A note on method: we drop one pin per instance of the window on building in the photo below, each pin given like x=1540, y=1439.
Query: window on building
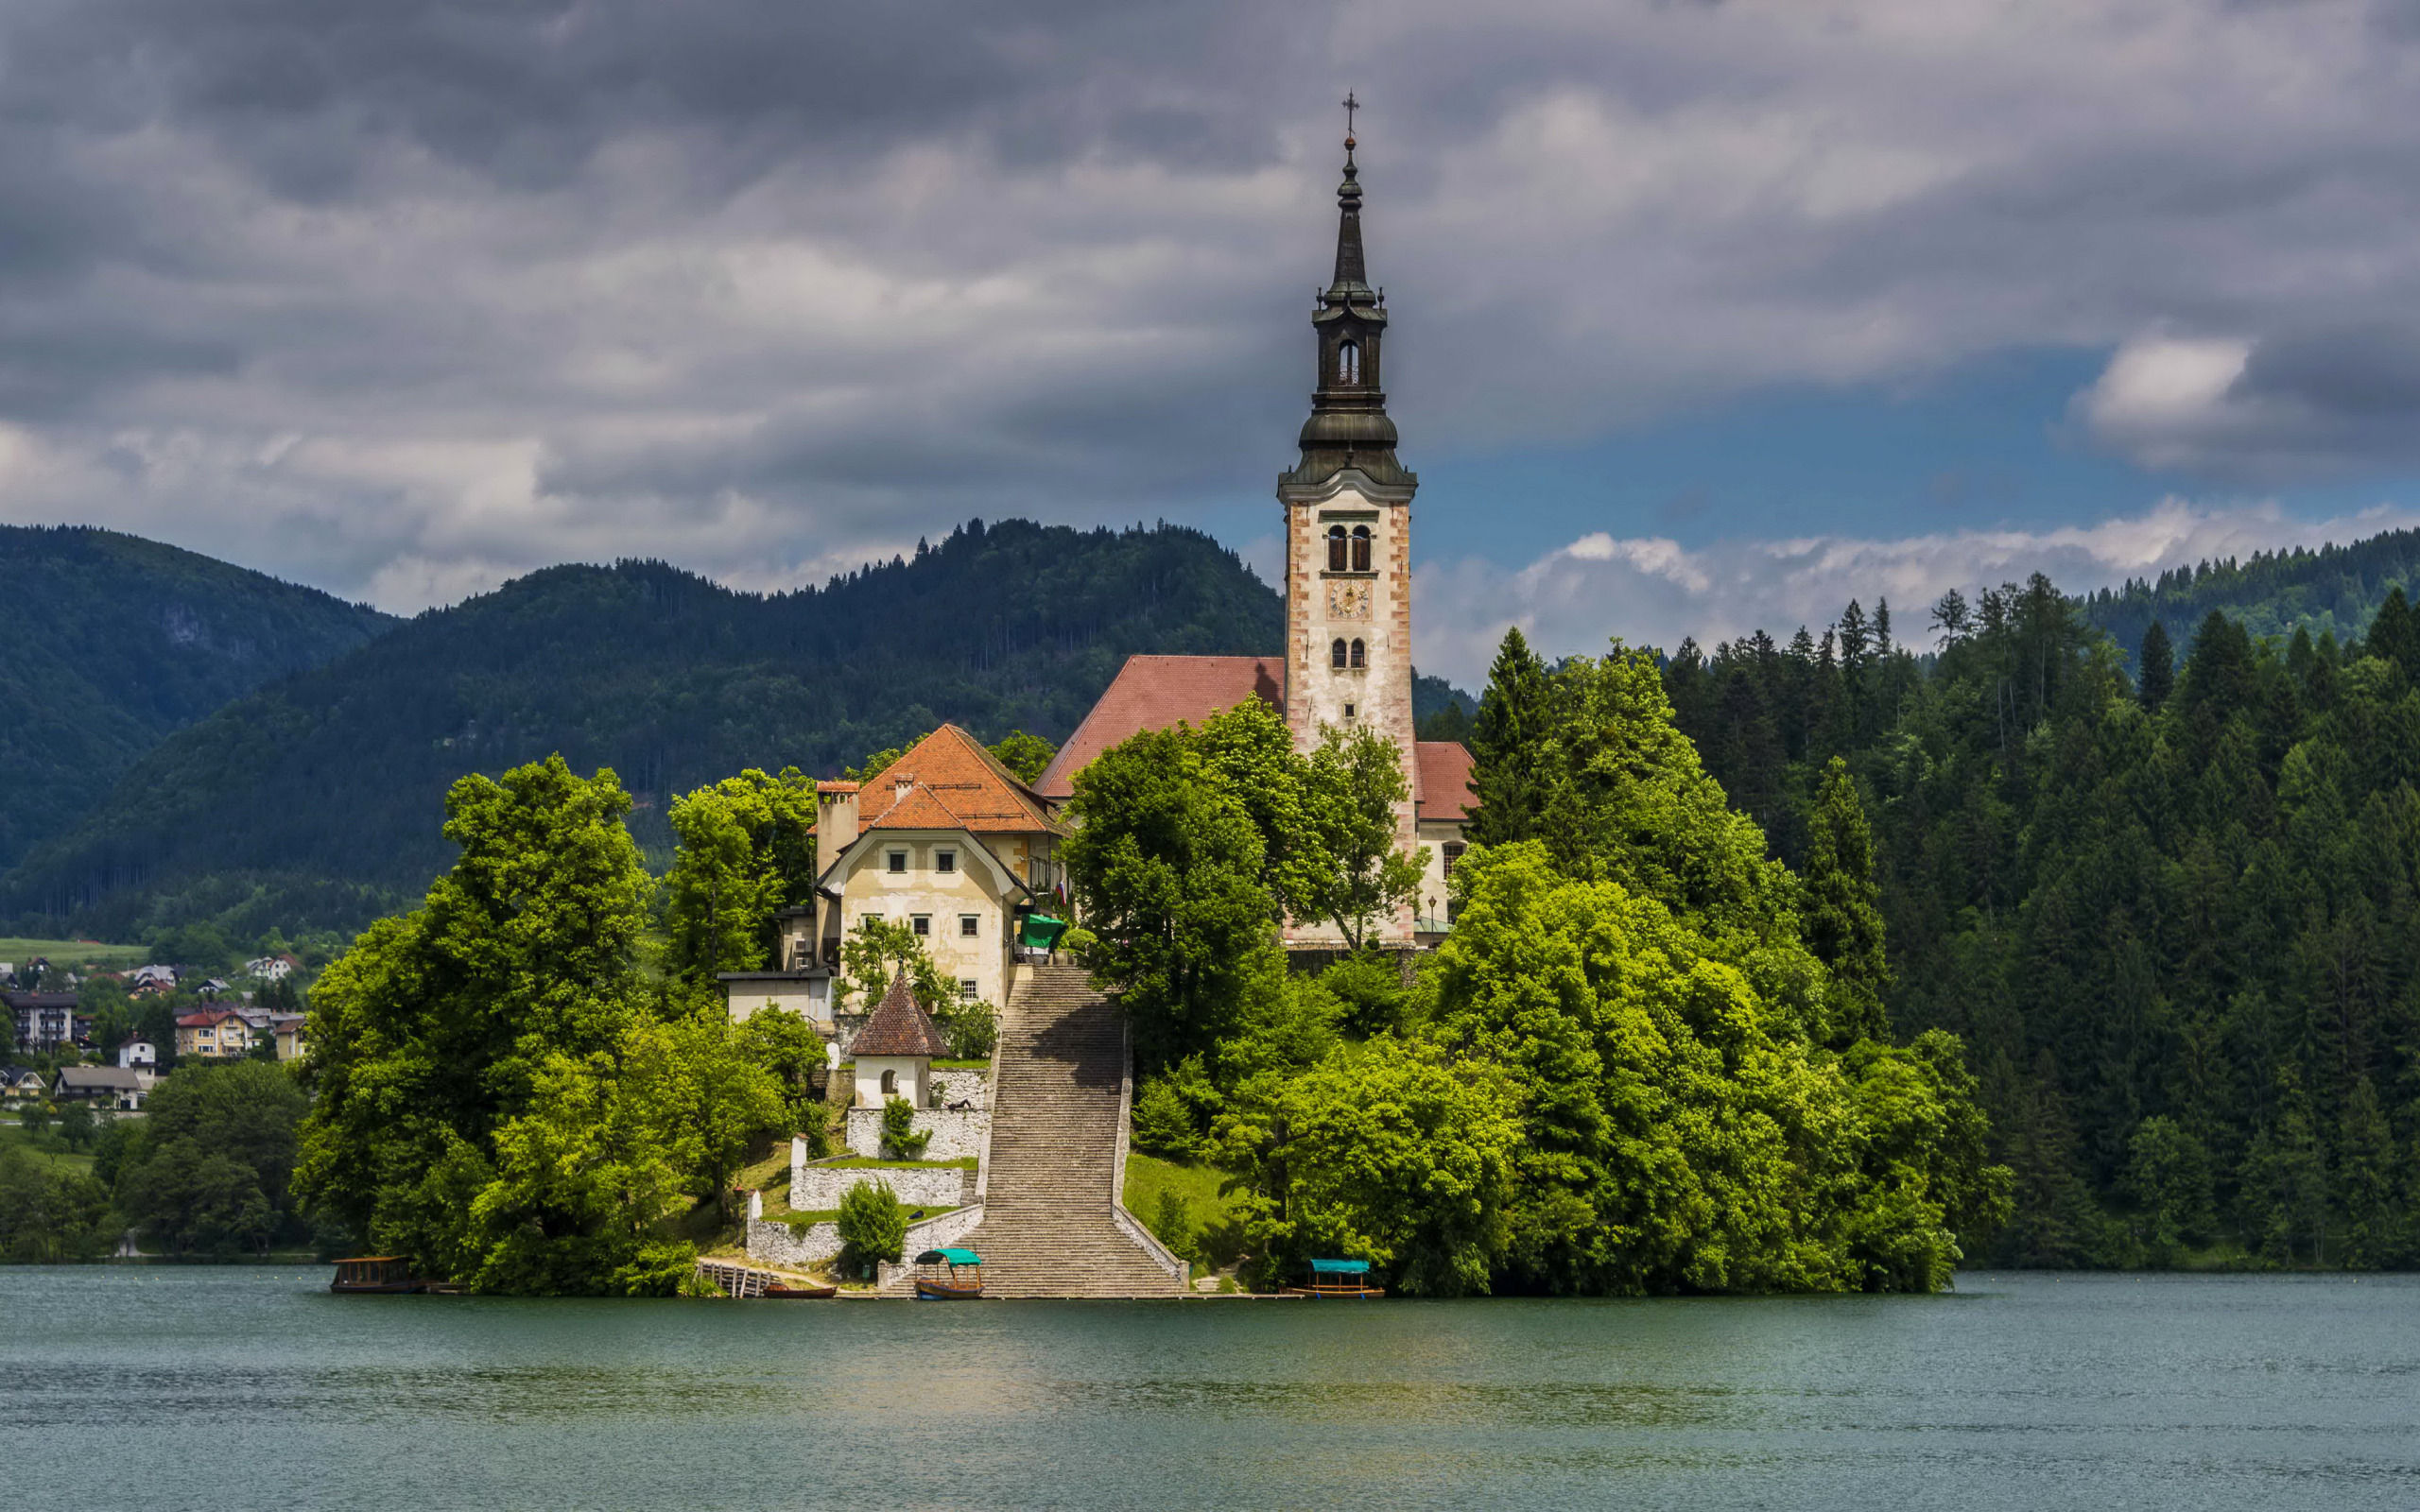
x=1336, y=548
x=1335, y=655
x=970, y=925
x=890, y=1082
x=1360, y=548
x=1348, y=363
x=1359, y=656
x=1348, y=711
x=922, y=925
x=869, y=920
x=1453, y=852
x=898, y=862
x=966, y=989
x=944, y=861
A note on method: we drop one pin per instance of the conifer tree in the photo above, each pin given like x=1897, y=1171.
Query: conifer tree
x=1514, y=714
x=2156, y=671
x=1843, y=917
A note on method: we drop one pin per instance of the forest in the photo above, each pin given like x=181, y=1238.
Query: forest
x=2164, y=892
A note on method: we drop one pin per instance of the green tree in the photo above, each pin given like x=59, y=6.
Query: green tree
x=1353, y=791
x=1843, y=915
x=723, y=1099
x=1166, y=865
x=747, y=848
x=1508, y=745
x=2375, y=1227
x=50, y=1216
x=1389, y=1153
x=2168, y=1172
x=1026, y=755
x=2155, y=668
x=873, y=1227
x=877, y=950
x=75, y=1125
x=493, y=1095
x=789, y=1050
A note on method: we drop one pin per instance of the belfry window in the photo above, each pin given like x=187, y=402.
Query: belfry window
x=1336, y=548
x=1336, y=656
x=1357, y=659
x=1360, y=548
x=1348, y=363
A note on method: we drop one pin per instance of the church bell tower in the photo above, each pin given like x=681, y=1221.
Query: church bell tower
x=1348, y=520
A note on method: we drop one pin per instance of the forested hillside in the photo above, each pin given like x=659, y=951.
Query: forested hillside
x=2171, y=912
x=109, y=641
x=312, y=803
x=2331, y=590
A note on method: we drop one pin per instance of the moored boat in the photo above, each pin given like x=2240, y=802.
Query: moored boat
x=1348, y=1279
x=796, y=1291
x=950, y=1276
x=376, y=1273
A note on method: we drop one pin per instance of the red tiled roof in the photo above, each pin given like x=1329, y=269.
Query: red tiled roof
x=1154, y=692
x=947, y=780
x=900, y=1026
x=205, y=1019
x=1443, y=779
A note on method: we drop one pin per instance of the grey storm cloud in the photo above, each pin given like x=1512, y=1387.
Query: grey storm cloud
x=404, y=298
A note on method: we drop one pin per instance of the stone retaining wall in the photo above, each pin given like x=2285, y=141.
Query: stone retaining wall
x=954, y=1136
x=965, y=1087
x=813, y=1188
x=778, y=1244
x=933, y=1233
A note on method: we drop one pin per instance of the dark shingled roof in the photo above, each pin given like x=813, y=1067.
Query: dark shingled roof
x=900, y=1026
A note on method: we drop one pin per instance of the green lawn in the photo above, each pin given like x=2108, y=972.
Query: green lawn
x=48, y=1153
x=1197, y=1185
x=66, y=952
x=863, y=1162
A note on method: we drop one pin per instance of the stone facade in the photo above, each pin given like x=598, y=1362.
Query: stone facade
x=778, y=1244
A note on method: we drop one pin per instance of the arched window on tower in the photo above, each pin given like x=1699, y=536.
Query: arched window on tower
x=1360, y=548
x=1357, y=657
x=1336, y=548
x=1336, y=656
x=890, y=1082
x=1348, y=363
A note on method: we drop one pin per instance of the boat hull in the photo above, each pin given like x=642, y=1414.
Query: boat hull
x=1347, y=1293
x=778, y=1292
x=382, y=1288
x=944, y=1292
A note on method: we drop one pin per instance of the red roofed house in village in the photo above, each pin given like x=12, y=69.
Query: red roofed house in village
x=1347, y=660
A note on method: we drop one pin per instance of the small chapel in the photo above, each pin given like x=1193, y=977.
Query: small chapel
x=954, y=846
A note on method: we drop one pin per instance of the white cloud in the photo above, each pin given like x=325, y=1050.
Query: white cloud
x=1653, y=592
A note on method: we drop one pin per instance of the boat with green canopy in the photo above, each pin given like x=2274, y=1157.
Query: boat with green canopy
x=1347, y=1279
x=950, y=1276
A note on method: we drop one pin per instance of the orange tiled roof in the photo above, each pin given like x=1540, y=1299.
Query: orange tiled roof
x=947, y=780
x=1441, y=778
x=1154, y=692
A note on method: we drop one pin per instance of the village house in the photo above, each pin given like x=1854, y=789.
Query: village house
x=21, y=1082
x=212, y=1034
x=101, y=1087
x=44, y=1021
x=944, y=842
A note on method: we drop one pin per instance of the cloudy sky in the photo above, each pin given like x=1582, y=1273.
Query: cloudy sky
x=1708, y=312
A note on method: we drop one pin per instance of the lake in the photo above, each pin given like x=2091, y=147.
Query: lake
x=244, y=1387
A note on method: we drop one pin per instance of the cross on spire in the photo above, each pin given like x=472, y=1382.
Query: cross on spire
x=1351, y=105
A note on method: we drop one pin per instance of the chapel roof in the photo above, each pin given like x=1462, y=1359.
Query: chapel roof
x=1155, y=692
x=1442, y=780
x=900, y=1026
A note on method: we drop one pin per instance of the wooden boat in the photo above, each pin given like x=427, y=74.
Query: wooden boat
x=796, y=1291
x=1347, y=1279
x=376, y=1273
x=950, y=1276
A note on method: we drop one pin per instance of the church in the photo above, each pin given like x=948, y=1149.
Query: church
x=954, y=846
x=1347, y=659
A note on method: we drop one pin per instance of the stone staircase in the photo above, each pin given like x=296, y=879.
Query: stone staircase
x=1050, y=1227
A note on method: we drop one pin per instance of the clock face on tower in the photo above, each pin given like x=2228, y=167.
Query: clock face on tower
x=1348, y=600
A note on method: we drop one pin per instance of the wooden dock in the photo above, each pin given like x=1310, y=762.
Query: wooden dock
x=734, y=1279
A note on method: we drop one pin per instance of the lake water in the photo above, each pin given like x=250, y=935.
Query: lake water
x=244, y=1387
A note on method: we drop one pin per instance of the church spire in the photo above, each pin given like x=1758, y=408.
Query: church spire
x=1348, y=426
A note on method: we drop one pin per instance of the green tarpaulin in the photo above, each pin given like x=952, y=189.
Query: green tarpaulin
x=1041, y=932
